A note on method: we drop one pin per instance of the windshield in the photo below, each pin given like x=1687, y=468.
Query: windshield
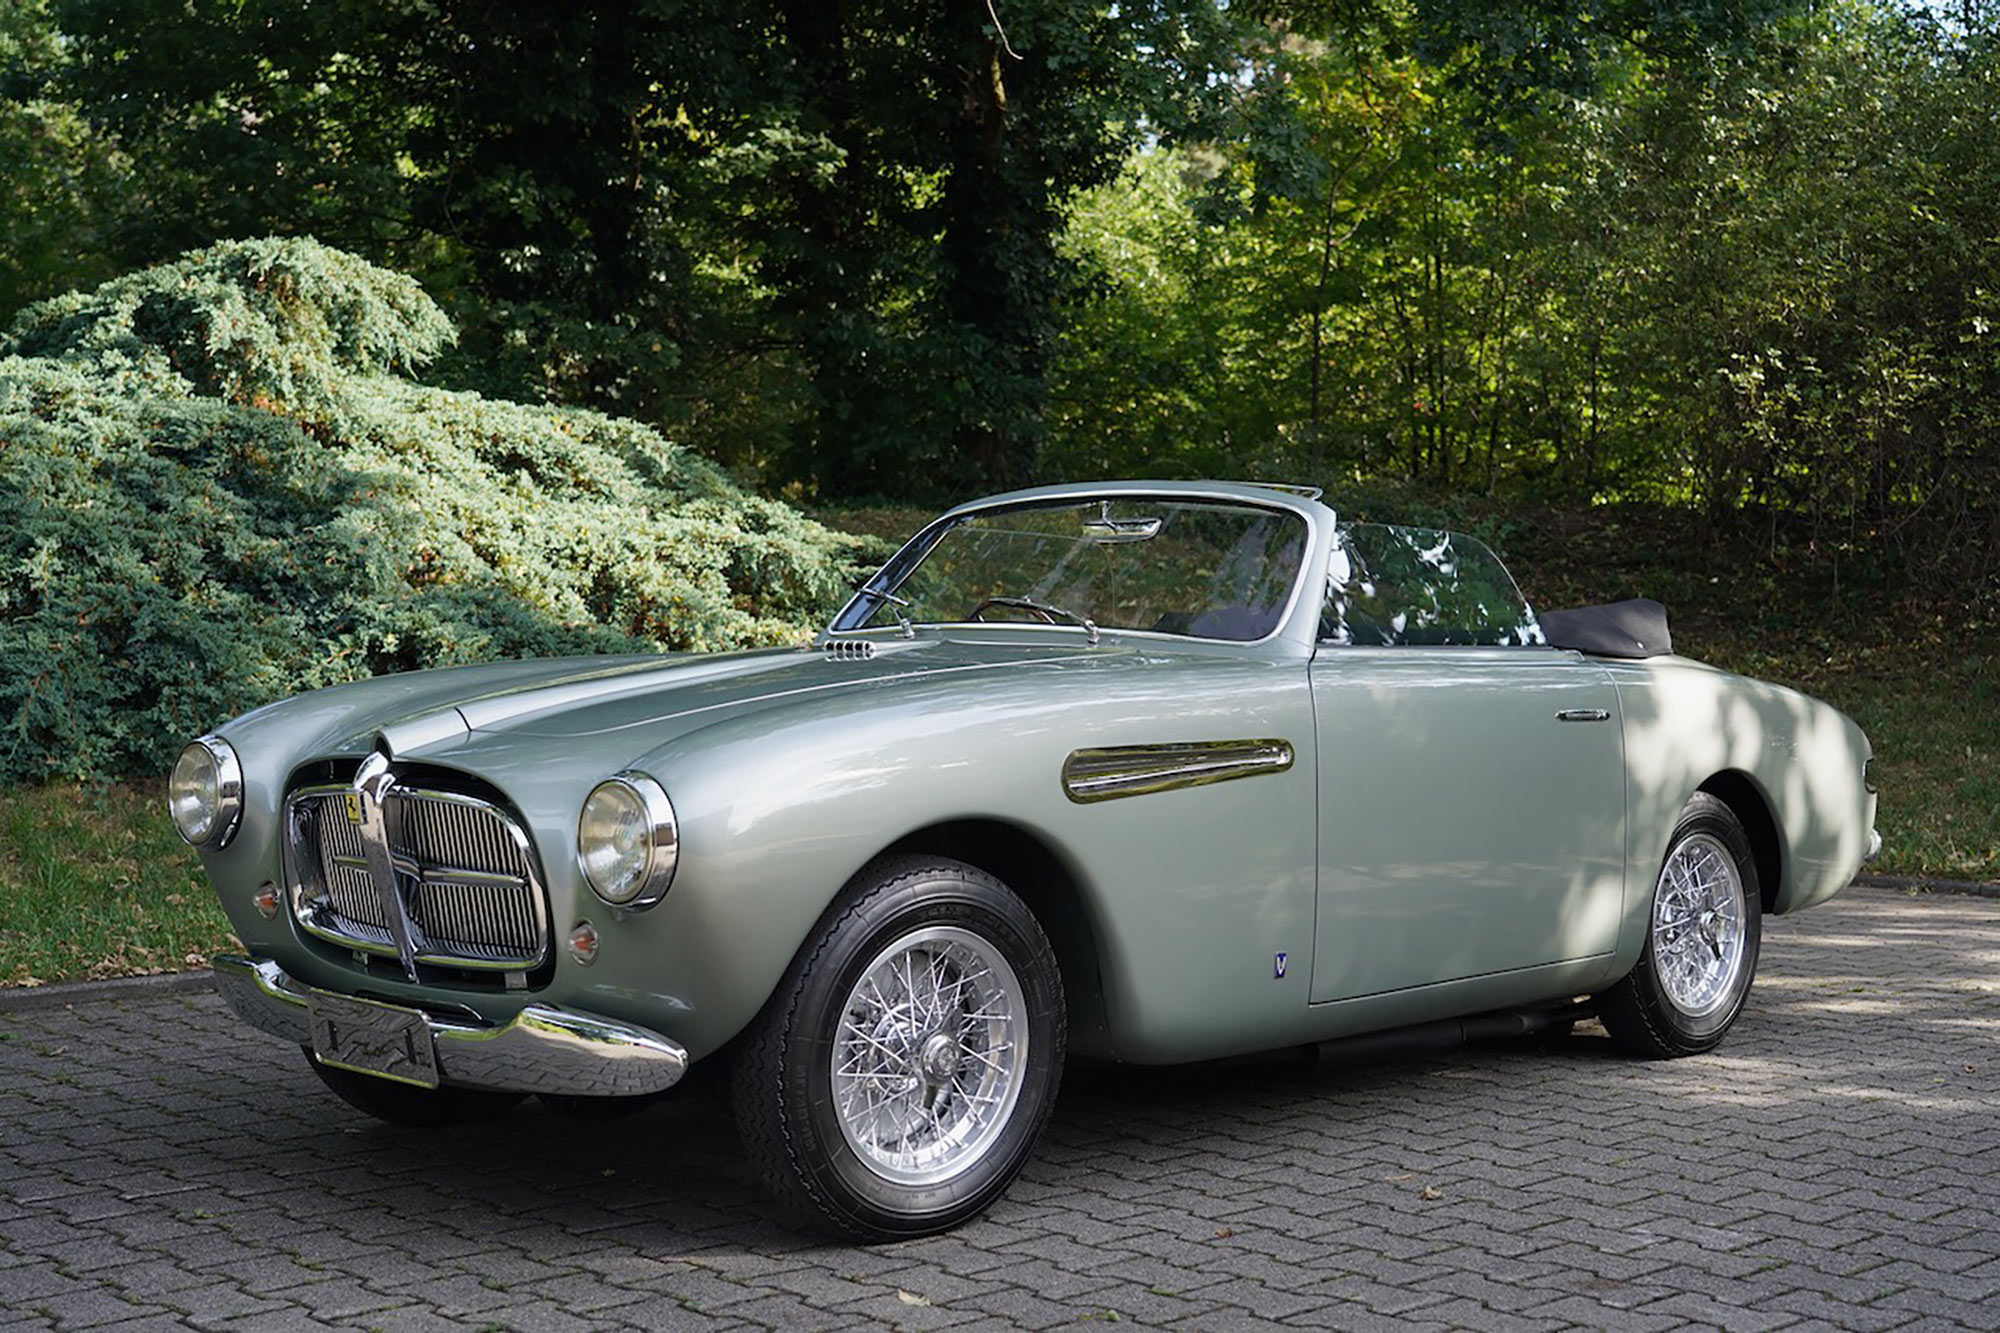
x=1204, y=568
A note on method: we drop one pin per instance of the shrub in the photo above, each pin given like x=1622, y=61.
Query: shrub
x=217, y=487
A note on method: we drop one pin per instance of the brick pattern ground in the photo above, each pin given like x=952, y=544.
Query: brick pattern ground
x=1836, y=1164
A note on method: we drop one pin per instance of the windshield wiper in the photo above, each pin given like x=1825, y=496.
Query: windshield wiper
x=1048, y=611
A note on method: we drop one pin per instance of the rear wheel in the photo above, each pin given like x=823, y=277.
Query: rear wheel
x=897, y=1080
x=1702, y=937
x=407, y=1104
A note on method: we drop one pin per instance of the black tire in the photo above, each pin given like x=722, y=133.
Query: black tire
x=1700, y=955
x=948, y=1055
x=407, y=1104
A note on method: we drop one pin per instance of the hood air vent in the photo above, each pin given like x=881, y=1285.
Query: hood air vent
x=849, y=650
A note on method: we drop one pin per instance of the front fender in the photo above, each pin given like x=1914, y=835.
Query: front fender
x=1193, y=891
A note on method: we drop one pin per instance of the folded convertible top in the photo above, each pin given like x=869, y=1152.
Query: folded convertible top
x=1635, y=628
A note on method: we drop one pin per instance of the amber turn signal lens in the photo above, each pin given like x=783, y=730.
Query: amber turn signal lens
x=583, y=943
x=265, y=900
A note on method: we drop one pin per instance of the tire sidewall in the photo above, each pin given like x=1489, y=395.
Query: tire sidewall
x=970, y=901
x=1705, y=815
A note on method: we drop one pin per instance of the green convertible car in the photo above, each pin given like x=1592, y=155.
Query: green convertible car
x=1148, y=772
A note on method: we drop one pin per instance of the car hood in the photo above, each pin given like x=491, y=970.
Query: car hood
x=573, y=699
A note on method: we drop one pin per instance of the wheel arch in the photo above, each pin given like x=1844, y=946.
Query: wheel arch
x=1050, y=885
x=1746, y=800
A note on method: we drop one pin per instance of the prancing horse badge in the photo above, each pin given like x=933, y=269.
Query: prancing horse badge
x=353, y=807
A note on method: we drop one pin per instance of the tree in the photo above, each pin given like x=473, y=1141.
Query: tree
x=828, y=224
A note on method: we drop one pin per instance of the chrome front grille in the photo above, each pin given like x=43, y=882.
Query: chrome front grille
x=464, y=871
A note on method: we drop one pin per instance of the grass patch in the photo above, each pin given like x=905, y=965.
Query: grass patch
x=94, y=883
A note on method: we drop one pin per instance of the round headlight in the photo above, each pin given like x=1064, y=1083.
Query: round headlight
x=628, y=840
x=205, y=793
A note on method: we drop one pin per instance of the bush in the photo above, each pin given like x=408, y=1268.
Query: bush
x=217, y=488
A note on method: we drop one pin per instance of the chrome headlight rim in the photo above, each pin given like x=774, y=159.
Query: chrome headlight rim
x=662, y=842
x=228, y=813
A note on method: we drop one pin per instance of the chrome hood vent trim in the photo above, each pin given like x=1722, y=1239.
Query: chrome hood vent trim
x=849, y=650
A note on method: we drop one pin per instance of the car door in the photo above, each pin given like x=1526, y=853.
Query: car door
x=1471, y=780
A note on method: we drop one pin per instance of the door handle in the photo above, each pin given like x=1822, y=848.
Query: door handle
x=1584, y=715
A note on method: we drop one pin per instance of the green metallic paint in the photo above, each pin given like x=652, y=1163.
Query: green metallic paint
x=1435, y=811
x=1465, y=832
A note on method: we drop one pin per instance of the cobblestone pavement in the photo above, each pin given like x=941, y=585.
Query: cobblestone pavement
x=1837, y=1163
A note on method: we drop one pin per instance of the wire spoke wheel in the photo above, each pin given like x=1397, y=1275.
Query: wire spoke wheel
x=1699, y=955
x=1698, y=912
x=897, y=1080
x=926, y=1062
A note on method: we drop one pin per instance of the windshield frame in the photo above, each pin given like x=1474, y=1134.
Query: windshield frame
x=880, y=586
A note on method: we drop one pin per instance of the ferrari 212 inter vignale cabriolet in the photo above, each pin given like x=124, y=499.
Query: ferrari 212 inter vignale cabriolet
x=1145, y=772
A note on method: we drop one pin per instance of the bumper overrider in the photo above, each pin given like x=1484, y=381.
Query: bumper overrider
x=544, y=1048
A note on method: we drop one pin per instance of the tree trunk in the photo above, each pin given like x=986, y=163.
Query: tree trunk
x=998, y=250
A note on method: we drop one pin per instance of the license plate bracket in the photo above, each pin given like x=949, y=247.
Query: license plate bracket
x=369, y=1037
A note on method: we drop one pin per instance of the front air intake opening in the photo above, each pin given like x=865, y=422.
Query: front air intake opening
x=465, y=879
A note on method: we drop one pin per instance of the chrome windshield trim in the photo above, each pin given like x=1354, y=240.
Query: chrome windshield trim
x=1140, y=770
x=1320, y=523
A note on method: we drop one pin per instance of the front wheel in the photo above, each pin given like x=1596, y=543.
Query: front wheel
x=1702, y=935
x=898, y=1078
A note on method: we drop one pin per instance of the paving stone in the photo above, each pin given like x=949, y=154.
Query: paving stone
x=1833, y=1165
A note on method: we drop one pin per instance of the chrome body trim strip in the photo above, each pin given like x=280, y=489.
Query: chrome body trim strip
x=1584, y=715
x=544, y=1048
x=1140, y=770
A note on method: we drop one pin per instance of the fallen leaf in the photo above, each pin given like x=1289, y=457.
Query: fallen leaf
x=1224, y=1234
x=911, y=1297
x=1405, y=1176
x=1430, y=1192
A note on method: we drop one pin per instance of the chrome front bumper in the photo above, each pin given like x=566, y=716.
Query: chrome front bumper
x=542, y=1049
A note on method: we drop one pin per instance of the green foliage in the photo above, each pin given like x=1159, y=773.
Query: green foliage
x=61, y=182
x=282, y=324
x=1727, y=253
x=816, y=240
x=1753, y=275
x=213, y=494
x=129, y=899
